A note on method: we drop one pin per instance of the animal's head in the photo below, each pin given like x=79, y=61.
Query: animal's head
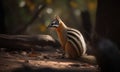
x=55, y=22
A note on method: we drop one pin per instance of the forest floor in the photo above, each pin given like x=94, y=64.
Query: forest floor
x=47, y=60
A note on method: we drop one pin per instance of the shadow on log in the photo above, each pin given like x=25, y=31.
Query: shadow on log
x=26, y=42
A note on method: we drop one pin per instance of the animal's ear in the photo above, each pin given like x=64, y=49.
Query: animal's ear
x=57, y=17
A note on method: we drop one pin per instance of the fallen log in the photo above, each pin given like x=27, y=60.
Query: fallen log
x=26, y=42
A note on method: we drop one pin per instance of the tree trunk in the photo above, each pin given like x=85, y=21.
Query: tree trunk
x=106, y=37
x=13, y=19
x=86, y=24
x=2, y=24
x=108, y=20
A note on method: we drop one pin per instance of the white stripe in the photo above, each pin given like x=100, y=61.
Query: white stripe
x=74, y=30
x=77, y=37
x=80, y=41
x=74, y=44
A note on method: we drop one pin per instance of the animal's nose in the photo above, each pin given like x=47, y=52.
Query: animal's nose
x=49, y=26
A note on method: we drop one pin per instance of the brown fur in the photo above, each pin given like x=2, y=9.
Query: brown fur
x=70, y=51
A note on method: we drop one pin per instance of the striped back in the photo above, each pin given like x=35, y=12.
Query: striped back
x=77, y=40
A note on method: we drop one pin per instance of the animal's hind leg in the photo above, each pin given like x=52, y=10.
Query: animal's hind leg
x=70, y=51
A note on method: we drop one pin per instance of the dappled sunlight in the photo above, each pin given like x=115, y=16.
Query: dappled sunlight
x=59, y=36
x=53, y=64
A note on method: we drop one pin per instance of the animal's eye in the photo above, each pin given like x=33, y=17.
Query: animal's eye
x=52, y=24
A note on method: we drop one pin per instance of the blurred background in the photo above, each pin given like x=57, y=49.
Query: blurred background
x=33, y=16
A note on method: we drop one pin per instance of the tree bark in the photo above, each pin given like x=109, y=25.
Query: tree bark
x=2, y=16
x=87, y=26
x=106, y=37
x=108, y=20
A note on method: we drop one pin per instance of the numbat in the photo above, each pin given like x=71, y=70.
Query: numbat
x=72, y=41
